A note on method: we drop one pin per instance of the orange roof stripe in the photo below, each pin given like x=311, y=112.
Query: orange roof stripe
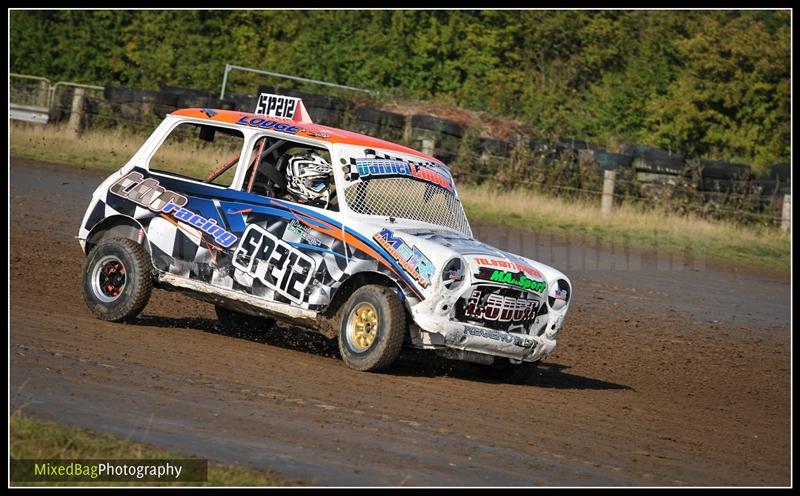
x=324, y=134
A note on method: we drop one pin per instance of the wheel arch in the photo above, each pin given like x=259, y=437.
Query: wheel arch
x=357, y=280
x=327, y=320
x=118, y=226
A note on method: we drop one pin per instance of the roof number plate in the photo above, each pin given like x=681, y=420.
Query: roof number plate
x=283, y=107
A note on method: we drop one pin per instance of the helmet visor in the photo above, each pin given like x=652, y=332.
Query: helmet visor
x=316, y=184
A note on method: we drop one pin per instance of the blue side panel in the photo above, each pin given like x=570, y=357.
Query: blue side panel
x=206, y=208
x=236, y=204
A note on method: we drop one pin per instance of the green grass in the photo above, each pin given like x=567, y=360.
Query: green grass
x=105, y=150
x=764, y=248
x=36, y=439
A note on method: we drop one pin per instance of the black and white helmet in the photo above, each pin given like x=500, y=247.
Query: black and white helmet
x=308, y=178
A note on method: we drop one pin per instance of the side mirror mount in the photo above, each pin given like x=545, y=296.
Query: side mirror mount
x=207, y=133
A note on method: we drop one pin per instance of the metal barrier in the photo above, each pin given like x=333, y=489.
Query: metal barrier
x=54, y=88
x=230, y=67
x=28, y=113
x=28, y=98
x=32, y=98
x=28, y=90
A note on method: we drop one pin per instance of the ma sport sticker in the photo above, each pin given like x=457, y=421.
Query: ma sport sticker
x=410, y=258
x=512, y=279
x=149, y=194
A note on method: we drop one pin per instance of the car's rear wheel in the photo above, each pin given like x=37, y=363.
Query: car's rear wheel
x=117, y=279
x=372, y=328
x=234, y=321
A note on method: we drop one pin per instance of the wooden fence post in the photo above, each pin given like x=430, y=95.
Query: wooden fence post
x=786, y=215
x=76, y=113
x=428, y=146
x=607, y=201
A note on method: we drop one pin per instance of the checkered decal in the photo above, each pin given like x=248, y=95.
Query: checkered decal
x=183, y=250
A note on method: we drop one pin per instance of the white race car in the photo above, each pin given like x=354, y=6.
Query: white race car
x=271, y=217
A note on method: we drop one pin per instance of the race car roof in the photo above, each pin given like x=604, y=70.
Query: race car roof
x=307, y=130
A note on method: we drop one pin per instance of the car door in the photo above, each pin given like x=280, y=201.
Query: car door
x=283, y=251
x=179, y=192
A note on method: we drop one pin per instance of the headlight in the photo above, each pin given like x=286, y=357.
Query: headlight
x=559, y=294
x=453, y=274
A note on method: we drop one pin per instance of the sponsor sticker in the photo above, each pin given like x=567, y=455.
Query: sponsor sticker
x=387, y=168
x=410, y=258
x=494, y=307
x=264, y=123
x=150, y=194
x=502, y=336
x=506, y=264
x=303, y=233
x=516, y=279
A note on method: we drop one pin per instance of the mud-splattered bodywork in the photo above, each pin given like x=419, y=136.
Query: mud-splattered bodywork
x=398, y=219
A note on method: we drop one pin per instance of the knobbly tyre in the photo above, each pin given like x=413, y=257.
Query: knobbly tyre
x=271, y=217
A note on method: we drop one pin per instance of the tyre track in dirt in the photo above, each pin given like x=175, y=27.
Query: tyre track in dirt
x=640, y=392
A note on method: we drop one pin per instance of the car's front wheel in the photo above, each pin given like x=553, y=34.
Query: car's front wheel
x=117, y=279
x=372, y=328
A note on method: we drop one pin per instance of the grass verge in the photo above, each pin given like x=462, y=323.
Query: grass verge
x=105, y=150
x=765, y=248
x=36, y=439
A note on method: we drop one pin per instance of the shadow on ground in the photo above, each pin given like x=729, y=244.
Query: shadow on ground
x=547, y=375
x=282, y=337
x=412, y=363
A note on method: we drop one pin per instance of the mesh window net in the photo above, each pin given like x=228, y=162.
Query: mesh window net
x=392, y=187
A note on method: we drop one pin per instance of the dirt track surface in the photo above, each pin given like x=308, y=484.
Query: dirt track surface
x=662, y=377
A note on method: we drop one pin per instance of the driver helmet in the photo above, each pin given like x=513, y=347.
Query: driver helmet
x=308, y=178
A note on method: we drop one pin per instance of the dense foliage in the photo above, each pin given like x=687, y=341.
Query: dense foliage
x=702, y=83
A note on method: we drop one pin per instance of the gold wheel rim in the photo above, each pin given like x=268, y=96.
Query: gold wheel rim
x=363, y=326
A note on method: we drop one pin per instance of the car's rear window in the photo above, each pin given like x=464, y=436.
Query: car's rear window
x=201, y=152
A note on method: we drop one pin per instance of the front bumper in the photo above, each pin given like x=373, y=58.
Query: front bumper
x=489, y=318
x=477, y=339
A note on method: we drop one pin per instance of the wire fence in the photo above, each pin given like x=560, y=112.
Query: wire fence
x=570, y=174
x=706, y=206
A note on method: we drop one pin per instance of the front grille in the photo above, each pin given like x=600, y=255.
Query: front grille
x=501, y=308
